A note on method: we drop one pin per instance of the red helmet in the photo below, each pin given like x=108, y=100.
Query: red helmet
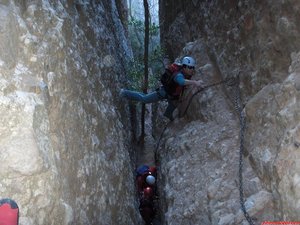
x=152, y=169
x=9, y=212
x=148, y=192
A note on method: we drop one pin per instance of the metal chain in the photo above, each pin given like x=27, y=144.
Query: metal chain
x=242, y=118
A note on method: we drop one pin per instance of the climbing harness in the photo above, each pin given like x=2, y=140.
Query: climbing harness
x=234, y=81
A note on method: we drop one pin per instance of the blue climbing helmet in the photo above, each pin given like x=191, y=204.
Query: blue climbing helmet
x=150, y=180
x=141, y=170
x=188, y=61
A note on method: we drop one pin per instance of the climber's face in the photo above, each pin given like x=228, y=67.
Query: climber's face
x=189, y=70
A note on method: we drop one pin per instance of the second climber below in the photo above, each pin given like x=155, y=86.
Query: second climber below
x=180, y=78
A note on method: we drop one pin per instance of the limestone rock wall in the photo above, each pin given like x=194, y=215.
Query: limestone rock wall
x=199, y=160
x=274, y=147
x=256, y=40
x=63, y=142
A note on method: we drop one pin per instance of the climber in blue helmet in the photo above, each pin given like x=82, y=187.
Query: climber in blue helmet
x=174, y=80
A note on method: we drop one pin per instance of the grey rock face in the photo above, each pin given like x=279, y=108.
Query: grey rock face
x=257, y=41
x=199, y=160
x=273, y=147
x=63, y=150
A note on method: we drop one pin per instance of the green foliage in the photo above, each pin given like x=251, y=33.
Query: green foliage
x=136, y=67
x=137, y=24
x=156, y=65
x=136, y=36
x=154, y=30
x=136, y=71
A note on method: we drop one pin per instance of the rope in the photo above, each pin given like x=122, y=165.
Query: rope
x=160, y=137
x=229, y=81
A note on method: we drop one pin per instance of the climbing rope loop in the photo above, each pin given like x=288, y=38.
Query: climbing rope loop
x=229, y=82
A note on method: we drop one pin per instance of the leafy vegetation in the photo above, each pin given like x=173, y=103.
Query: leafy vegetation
x=136, y=67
